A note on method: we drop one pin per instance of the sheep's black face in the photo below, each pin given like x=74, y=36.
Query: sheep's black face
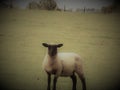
x=52, y=49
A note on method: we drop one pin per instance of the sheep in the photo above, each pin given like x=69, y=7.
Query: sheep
x=62, y=64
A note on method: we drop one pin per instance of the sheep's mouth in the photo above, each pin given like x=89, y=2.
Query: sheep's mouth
x=52, y=54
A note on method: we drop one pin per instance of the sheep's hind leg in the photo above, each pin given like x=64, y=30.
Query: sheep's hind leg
x=83, y=82
x=82, y=78
x=74, y=80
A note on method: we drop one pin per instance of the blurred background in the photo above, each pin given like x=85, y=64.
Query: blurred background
x=90, y=28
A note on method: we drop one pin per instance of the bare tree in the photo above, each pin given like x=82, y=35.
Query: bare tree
x=33, y=5
x=47, y=4
x=107, y=9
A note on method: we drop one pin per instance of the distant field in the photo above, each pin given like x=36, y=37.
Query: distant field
x=95, y=36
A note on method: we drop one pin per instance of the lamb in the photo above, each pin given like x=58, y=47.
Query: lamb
x=62, y=64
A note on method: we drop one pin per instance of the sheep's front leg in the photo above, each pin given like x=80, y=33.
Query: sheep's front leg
x=54, y=82
x=49, y=81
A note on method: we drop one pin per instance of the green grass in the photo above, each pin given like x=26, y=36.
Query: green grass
x=95, y=36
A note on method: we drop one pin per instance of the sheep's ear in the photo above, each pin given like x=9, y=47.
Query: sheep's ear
x=59, y=45
x=45, y=44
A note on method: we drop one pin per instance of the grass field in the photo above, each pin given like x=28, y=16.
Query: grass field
x=95, y=36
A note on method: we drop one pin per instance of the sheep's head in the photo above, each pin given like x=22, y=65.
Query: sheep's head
x=52, y=48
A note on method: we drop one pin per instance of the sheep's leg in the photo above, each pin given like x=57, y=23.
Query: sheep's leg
x=74, y=80
x=80, y=73
x=49, y=81
x=54, y=82
x=83, y=82
x=82, y=78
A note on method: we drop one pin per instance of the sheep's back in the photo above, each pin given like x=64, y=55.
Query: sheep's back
x=69, y=57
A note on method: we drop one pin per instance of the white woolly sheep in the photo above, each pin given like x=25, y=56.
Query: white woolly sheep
x=62, y=64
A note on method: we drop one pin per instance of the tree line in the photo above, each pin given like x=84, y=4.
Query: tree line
x=52, y=5
x=6, y=3
x=42, y=4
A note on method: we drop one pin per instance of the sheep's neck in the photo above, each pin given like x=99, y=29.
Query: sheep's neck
x=53, y=58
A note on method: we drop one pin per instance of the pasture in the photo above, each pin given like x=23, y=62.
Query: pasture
x=95, y=36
